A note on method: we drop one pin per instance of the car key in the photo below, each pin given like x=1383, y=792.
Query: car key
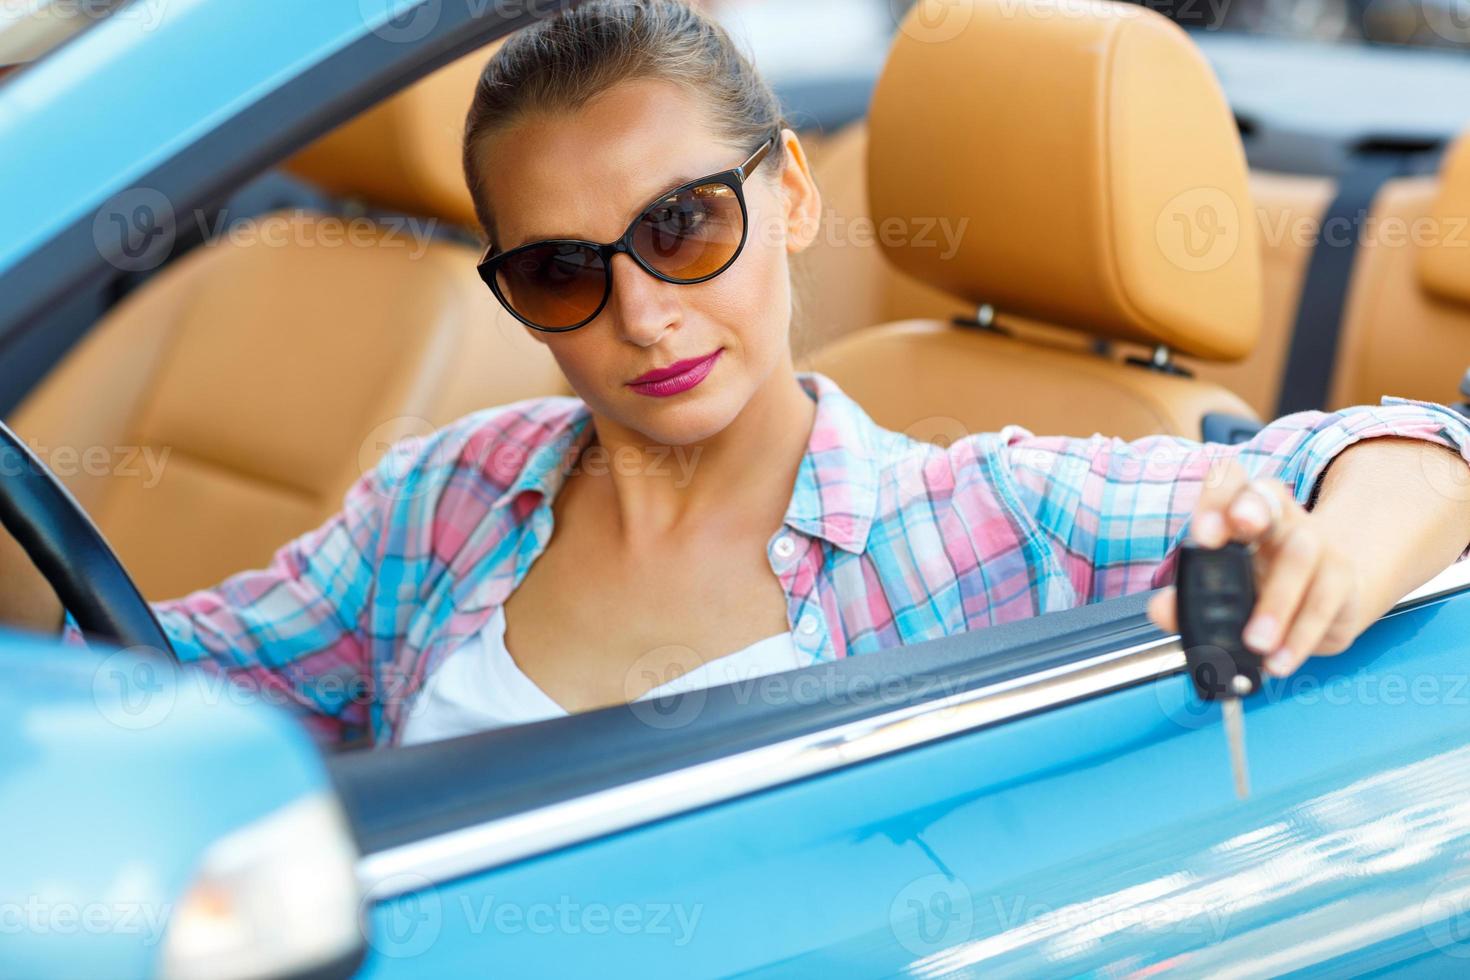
x=1216, y=594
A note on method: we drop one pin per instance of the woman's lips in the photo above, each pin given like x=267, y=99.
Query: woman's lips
x=677, y=377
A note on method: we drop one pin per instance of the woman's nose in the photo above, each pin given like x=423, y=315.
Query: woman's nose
x=645, y=307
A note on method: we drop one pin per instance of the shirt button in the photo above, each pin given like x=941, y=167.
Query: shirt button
x=785, y=547
x=808, y=625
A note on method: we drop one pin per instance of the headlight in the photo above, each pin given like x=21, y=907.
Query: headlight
x=276, y=898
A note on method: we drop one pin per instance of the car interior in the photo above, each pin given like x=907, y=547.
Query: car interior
x=1128, y=261
x=314, y=336
x=1068, y=308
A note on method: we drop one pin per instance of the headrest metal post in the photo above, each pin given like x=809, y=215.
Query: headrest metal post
x=1161, y=360
x=984, y=319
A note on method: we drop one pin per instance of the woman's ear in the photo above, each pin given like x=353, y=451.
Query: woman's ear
x=803, y=199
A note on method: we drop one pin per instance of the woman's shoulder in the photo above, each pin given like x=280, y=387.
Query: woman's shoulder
x=894, y=443
x=490, y=447
x=529, y=422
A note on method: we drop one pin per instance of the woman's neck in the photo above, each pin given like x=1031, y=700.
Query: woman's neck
x=744, y=472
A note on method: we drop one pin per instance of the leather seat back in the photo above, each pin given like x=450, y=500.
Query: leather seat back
x=1406, y=327
x=1092, y=180
x=842, y=281
x=1406, y=319
x=1288, y=210
x=1399, y=336
x=231, y=400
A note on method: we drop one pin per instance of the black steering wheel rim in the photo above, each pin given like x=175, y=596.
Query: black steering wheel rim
x=66, y=547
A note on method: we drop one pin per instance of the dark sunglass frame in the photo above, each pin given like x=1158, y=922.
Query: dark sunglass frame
x=734, y=179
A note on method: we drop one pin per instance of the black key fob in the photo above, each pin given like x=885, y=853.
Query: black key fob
x=1216, y=593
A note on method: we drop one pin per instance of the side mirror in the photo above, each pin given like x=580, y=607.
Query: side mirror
x=156, y=820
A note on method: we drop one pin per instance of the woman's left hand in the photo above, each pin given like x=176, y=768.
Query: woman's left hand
x=1307, y=589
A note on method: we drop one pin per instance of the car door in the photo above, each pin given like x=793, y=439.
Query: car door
x=1063, y=816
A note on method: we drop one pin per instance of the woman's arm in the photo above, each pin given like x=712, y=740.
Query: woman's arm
x=1390, y=515
x=295, y=633
x=1396, y=475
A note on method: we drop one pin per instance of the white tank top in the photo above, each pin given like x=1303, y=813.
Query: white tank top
x=478, y=685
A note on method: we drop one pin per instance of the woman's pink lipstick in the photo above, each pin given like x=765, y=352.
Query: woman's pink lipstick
x=677, y=377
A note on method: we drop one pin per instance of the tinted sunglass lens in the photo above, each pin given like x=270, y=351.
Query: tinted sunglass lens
x=693, y=233
x=555, y=285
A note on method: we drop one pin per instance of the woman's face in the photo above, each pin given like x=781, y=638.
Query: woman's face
x=586, y=174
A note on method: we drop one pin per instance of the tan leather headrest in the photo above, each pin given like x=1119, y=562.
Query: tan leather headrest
x=1086, y=162
x=404, y=153
x=1444, y=256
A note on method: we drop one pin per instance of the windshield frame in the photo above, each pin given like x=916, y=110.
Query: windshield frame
x=252, y=116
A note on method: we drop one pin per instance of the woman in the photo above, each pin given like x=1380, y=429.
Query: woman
x=702, y=511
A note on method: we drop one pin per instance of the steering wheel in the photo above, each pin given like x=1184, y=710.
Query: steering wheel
x=70, y=552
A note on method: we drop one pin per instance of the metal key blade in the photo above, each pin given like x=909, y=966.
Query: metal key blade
x=1234, y=716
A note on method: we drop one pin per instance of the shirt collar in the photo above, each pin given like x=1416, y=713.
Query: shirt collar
x=836, y=493
x=835, y=496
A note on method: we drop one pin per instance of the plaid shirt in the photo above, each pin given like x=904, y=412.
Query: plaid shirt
x=887, y=541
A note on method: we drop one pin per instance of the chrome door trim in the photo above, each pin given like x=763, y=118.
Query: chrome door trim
x=419, y=864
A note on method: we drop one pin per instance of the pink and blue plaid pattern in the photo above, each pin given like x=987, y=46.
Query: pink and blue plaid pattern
x=887, y=541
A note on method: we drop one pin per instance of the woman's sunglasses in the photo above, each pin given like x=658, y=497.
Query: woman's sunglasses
x=689, y=234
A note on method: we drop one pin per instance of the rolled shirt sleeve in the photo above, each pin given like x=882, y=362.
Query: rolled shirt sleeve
x=1115, y=511
x=294, y=633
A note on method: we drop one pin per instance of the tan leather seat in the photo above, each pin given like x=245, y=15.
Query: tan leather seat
x=1288, y=213
x=1092, y=179
x=1399, y=336
x=1406, y=328
x=1406, y=320
x=842, y=282
x=231, y=400
x=405, y=152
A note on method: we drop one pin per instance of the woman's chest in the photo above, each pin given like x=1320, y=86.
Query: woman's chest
x=593, y=624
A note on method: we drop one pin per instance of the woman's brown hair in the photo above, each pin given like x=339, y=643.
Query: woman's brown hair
x=561, y=63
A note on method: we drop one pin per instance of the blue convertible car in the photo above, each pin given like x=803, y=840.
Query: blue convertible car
x=183, y=182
